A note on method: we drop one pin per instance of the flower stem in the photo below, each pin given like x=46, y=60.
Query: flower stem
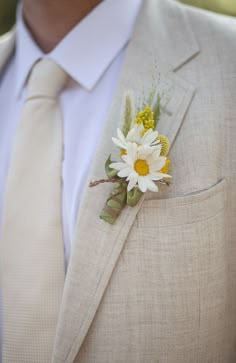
x=109, y=180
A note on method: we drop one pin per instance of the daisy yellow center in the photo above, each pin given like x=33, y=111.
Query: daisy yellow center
x=141, y=167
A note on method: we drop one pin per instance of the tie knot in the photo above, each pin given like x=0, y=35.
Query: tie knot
x=46, y=79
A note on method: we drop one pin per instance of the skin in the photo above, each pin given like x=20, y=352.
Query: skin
x=50, y=20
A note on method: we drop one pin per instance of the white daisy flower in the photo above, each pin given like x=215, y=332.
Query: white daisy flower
x=141, y=167
x=138, y=135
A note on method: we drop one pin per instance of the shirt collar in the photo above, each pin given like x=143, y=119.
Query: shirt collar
x=88, y=49
x=27, y=53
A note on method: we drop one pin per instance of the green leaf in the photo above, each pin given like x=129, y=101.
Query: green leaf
x=127, y=114
x=111, y=173
x=151, y=96
x=157, y=110
x=133, y=197
x=115, y=203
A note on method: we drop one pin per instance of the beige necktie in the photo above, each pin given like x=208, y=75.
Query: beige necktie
x=31, y=247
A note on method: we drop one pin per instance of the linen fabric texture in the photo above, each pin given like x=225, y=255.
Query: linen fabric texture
x=160, y=284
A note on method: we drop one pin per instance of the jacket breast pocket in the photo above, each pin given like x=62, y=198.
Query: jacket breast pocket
x=178, y=248
x=186, y=210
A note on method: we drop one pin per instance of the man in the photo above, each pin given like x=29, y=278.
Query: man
x=159, y=284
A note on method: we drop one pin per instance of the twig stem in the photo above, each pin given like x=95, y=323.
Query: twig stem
x=101, y=181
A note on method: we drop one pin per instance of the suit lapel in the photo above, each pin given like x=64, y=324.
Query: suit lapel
x=96, y=244
x=7, y=45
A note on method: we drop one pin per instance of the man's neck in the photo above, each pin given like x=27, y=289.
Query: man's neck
x=50, y=20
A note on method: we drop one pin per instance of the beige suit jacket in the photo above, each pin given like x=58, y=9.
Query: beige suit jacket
x=160, y=284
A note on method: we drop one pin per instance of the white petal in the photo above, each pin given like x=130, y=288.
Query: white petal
x=121, y=135
x=124, y=172
x=130, y=135
x=140, y=129
x=157, y=164
x=159, y=176
x=155, y=155
x=155, y=176
x=132, y=150
x=165, y=175
x=132, y=183
x=149, y=137
x=147, y=133
x=119, y=143
x=132, y=175
x=144, y=152
x=151, y=185
x=118, y=166
x=141, y=183
x=157, y=148
x=127, y=159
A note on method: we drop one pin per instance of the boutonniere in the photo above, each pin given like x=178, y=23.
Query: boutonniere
x=143, y=157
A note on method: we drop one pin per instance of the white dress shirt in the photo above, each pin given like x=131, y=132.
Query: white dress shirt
x=92, y=54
